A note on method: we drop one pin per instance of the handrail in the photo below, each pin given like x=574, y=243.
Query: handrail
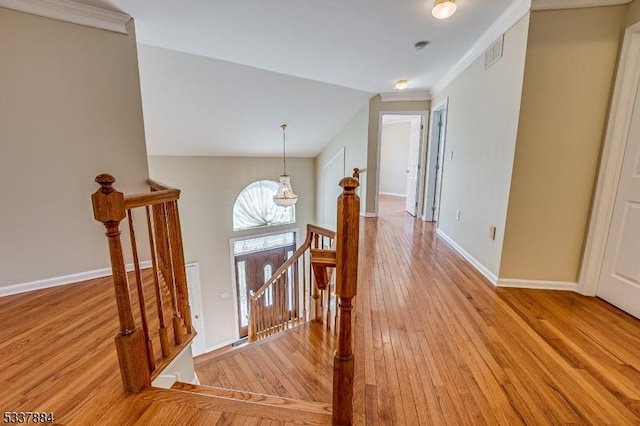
x=284, y=300
x=311, y=229
x=167, y=285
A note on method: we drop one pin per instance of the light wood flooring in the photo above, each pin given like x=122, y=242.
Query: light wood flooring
x=435, y=344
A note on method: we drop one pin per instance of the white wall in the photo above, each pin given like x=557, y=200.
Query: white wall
x=70, y=109
x=347, y=150
x=209, y=187
x=394, y=158
x=482, y=124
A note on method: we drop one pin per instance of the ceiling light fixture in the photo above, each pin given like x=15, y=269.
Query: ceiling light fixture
x=285, y=196
x=402, y=84
x=442, y=9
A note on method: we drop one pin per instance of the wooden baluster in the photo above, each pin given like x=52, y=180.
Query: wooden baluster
x=164, y=336
x=346, y=288
x=328, y=325
x=317, y=299
x=179, y=267
x=285, y=302
x=164, y=255
x=316, y=240
x=141, y=301
x=305, y=294
x=108, y=208
x=252, y=320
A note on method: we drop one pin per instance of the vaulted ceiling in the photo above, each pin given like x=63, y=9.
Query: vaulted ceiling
x=219, y=77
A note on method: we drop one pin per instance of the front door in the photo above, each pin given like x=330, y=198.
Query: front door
x=620, y=277
x=252, y=271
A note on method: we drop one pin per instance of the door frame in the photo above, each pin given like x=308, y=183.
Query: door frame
x=232, y=264
x=619, y=122
x=422, y=157
x=444, y=106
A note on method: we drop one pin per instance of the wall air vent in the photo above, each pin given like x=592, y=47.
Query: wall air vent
x=494, y=52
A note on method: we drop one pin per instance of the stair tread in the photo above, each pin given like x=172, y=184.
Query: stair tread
x=245, y=403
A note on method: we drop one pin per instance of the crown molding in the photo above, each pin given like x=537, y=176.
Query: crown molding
x=416, y=95
x=73, y=12
x=509, y=18
x=573, y=4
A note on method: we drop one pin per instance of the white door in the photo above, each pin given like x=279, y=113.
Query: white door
x=620, y=277
x=413, y=166
x=195, y=300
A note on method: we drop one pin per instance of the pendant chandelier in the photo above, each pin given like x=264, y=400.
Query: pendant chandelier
x=285, y=196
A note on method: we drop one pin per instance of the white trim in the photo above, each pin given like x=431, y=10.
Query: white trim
x=417, y=95
x=63, y=280
x=615, y=142
x=393, y=194
x=73, y=12
x=424, y=115
x=369, y=215
x=573, y=4
x=442, y=105
x=165, y=381
x=516, y=11
x=493, y=279
x=539, y=285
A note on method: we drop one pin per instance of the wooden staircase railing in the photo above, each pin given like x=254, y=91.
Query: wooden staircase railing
x=323, y=251
x=163, y=292
x=284, y=301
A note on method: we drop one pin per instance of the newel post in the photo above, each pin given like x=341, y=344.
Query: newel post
x=346, y=285
x=108, y=208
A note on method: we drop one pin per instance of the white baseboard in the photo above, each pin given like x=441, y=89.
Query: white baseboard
x=369, y=215
x=63, y=280
x=393, y=194
x=538, y=284
x=476, y=264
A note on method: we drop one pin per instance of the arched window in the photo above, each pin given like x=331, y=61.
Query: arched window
x=254, y=207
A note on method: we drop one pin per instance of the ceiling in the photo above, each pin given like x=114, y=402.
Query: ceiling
x=325, y=58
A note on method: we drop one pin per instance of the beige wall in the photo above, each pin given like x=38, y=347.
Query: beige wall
x=482, y=124
x=394, y=157
x=633, y=15
x=346, y=151
x=70, y=109
x=376, y=106
x=209, y=187
x=571, y=58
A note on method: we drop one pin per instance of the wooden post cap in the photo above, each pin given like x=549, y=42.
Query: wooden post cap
x=108, y=204
x=356, y=173
x=349, y=184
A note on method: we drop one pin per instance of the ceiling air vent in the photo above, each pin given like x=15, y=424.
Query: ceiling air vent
x=494, y=52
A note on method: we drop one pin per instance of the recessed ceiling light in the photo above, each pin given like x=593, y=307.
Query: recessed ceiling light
x=402, y=84
x=421, y=44
x=442, y=9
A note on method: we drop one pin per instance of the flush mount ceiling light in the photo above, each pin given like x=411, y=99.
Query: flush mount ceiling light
x=285, y=196
x=442, y=9
x=402, y=84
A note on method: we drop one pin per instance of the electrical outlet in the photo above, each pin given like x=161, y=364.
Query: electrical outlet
x=457, y=214
x=492, y=232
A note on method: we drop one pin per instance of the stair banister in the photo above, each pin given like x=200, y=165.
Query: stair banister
x=347, y=236
x=108, y=208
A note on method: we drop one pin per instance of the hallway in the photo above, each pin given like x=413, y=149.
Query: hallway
x=437, y=344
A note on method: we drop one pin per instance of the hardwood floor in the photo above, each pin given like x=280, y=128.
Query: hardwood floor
x=297, y=363
x=435, y=344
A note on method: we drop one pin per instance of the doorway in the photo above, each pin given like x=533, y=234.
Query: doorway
x=610, y=264
x=400, y=171
x=435, y=162
x=256, y=259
